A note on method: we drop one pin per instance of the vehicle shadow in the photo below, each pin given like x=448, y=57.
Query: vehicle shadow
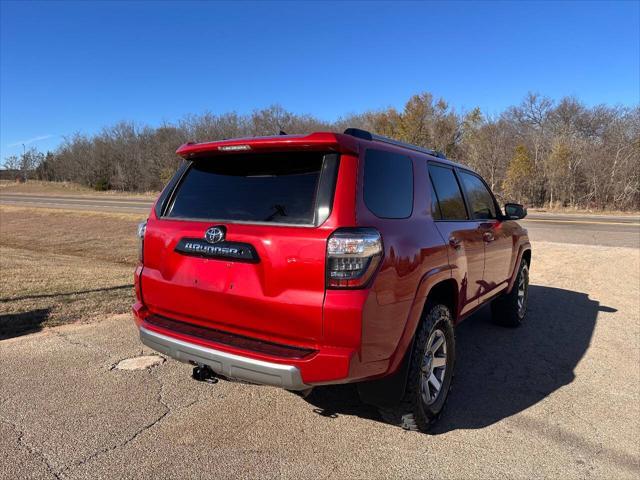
x=501, y=371
x=41, y=307
x=17, y=324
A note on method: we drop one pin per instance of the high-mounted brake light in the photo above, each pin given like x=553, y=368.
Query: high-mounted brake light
x=234, y=148
x=353, y=255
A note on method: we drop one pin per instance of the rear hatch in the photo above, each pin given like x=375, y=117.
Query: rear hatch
x=235, y=246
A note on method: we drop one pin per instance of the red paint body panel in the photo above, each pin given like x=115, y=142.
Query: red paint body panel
x=358, y=334
x=286, y=286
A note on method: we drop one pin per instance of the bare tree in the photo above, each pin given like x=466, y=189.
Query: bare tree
x=540, y=151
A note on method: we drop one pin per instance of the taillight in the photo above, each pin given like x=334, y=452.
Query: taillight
x=142, y=228
x=137, y=282
x=353, y=255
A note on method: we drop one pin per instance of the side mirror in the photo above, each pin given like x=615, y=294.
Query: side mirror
x=514, y=211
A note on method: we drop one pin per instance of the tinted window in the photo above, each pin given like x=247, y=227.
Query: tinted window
x=435, y=207
x=448, y=192
x=279, y=188
x=478, y=196
x=388, y=184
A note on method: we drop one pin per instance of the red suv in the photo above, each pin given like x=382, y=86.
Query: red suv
x=298, y=261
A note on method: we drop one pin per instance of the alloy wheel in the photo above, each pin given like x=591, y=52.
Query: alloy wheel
x=434, y=367
x=523, y=291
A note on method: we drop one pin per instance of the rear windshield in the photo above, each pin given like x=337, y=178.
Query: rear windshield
x=275, y=187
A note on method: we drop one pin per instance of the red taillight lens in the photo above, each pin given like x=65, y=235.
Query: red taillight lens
x=353, y=255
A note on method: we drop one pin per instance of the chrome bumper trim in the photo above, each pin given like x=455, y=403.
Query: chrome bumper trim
x=226, y=364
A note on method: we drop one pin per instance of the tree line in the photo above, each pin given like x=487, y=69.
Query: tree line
x=540, y=152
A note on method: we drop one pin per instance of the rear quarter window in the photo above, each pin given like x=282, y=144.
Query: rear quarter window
x=388, y=184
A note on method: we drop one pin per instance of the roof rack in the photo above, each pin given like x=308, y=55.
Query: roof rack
x=365, y=135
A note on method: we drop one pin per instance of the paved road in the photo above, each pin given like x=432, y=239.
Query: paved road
x=98, y=203
x=586, y=230
x=557, y=398
x=623, y=231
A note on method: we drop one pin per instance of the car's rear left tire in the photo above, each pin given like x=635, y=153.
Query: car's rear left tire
x=430, y=373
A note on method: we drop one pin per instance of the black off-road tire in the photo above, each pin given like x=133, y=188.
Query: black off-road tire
x=506, y=309
x=413, y=413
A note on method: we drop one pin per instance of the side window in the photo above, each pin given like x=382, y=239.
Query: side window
x=448, y=192
x=480, y=199
x=388, y=184
x=435, y=205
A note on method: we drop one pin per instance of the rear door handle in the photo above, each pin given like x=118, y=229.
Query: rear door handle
x=454, y=242
x=488, y=237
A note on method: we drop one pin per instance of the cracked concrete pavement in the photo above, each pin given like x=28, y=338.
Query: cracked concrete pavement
x=558, y=397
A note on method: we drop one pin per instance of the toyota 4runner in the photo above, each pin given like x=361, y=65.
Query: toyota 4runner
x=299, y=261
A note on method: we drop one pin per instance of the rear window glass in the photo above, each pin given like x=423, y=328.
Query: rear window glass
x=278, y=188
x=388, y=184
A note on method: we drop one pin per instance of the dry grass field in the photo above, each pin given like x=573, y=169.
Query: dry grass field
x=59, y=266
x=64, y=188
x=36, y=186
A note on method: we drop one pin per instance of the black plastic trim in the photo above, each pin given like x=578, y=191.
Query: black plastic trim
x=359, y=133
x=236, y=251
x=365, y=135
x=326, y=187
x=389, y=390
x=230, y=339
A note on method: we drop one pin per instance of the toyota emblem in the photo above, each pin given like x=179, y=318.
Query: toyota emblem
x=214, y=234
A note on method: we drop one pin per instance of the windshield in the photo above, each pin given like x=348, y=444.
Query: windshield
x=274, y=187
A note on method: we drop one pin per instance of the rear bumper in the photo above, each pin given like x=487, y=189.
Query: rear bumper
x=326, y=364
x=225, y=363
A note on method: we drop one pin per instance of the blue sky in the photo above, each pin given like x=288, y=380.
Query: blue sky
x=77, y=66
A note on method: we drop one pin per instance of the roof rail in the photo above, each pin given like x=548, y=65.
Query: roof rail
x=365, y=135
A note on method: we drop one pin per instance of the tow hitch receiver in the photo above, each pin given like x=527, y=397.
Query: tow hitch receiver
x=202, y=373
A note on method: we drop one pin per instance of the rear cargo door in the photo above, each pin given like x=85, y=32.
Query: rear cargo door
x=237, y=246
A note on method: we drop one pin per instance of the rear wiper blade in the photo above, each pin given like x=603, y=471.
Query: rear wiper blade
x=278, y=212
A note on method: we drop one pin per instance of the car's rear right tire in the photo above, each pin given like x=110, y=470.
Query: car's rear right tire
x=430, y=373
x=510, y=309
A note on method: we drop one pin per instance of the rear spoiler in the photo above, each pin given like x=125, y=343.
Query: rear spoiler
x=326, y=141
